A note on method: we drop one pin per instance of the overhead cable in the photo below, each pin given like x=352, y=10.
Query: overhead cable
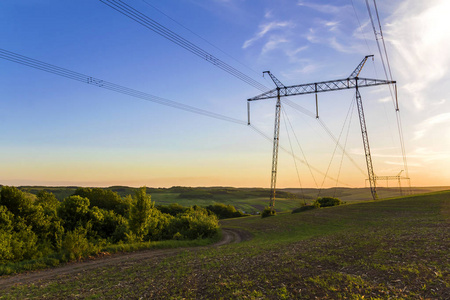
x=327, y=130
x=151, y=24
x=20, y=59
x=270, y=139
x=301, y=149
x=200, y=37
x=389, y=77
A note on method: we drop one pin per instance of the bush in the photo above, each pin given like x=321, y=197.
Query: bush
x=193, y=224
x=76, y=245
x=223, y=211
x=268, y=212
x=172, y=209
x=328, y=201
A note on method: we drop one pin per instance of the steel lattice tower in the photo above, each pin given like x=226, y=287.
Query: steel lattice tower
x=351, y=82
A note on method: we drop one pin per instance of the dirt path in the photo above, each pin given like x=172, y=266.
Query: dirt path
x=229, y=236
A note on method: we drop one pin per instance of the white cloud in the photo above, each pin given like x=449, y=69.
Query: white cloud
x=273, y=43
x=264, y=29
x=325, y=8
x=419, y=34
x=426, y=155
x=268, y=14
x=428, y=124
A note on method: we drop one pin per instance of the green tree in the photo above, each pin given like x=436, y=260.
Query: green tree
x=74, y=211
x=15, y=200
x=105, y=199
x=48, y=201
x=143, y=214
x=6, y=219
x=172, y=209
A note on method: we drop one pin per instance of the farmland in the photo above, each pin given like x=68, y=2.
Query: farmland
x=396, y=248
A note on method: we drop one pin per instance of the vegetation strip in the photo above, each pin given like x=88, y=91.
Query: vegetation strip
x=228, y=236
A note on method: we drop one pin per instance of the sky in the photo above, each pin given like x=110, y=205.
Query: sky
x=57, y=131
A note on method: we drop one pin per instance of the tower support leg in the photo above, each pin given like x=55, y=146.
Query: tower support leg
x=365, y=138
x=276, y=140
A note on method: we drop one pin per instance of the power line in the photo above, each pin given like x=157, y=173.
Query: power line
x=292, y=154
x=151, y=24
x=360, y=27
x=326, y=129
x=39, y=65
x=199, y=36
x=345, y=144
x=336, y=146
x=20, y=59
x=301, y=149
x=386, y=69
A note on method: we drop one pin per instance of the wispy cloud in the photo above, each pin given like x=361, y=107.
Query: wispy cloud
x=332, y=28
x=264, y=29
x=419, y=34
x=324, y=8
x=274, y=43
x=430, y=123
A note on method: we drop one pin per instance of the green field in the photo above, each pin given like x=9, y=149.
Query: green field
x=390, y=249
x=248, y=200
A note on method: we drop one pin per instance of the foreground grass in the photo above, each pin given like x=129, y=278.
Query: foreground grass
x=58, y=259
x=393, y=249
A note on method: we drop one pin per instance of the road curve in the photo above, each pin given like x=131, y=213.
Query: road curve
x=229, y=236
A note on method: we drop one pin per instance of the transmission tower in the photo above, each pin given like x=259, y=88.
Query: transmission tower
x=351, y=82
x=399, y=179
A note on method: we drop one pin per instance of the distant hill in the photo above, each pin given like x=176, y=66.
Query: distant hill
x=249, y=200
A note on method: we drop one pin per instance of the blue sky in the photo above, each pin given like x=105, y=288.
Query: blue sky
x=55, y=131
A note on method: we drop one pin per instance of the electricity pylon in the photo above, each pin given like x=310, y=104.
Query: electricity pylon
x=351, y=82
x=397, y=177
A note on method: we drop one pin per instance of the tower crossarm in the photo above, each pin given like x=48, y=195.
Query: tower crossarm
x=274, y=79
x=358, y=69
x=318, y=87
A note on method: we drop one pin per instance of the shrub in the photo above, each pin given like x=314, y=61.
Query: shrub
x=223, y=211
x=268, y=212
x=76, y=245
x=328, y=201
x=193, y=224
x=172, y=209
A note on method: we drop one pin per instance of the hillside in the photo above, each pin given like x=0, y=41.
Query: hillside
x=394, y=248
x=249, y=200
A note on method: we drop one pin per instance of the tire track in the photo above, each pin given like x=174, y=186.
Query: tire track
x=229, y=236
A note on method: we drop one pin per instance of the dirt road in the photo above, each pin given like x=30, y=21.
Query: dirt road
x=229, y=236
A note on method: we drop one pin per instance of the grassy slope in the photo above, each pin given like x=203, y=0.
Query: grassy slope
x=242, y=198
x=377, y=250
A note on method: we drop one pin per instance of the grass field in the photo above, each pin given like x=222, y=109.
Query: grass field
x=244, y=199
x=391, y=249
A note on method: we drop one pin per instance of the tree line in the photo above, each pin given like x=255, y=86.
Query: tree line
x=42, y=227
